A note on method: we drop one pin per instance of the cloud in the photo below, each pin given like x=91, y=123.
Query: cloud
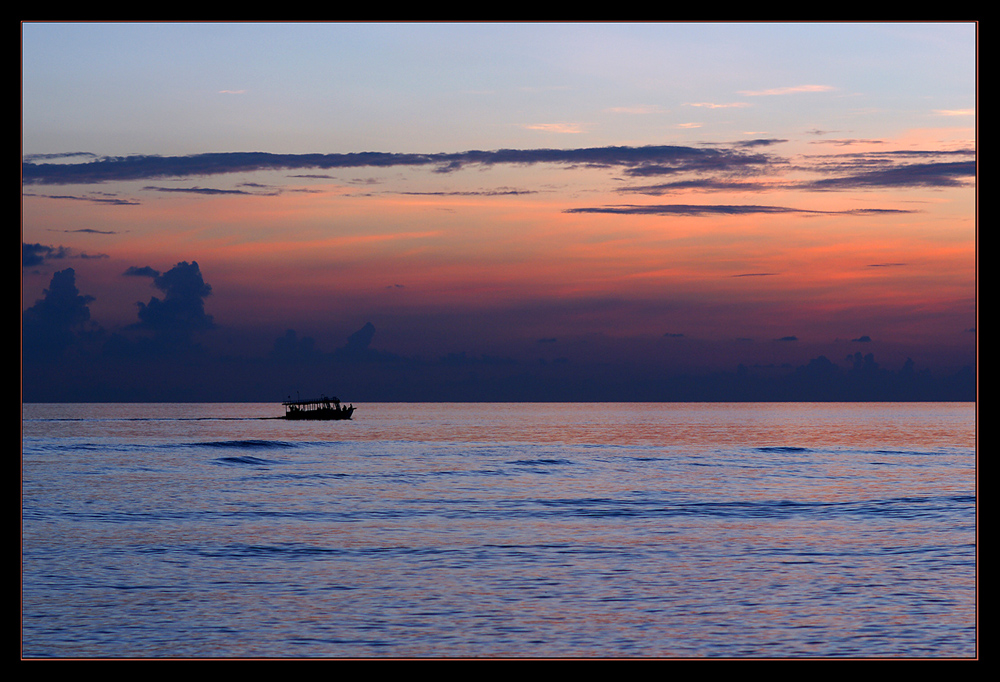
x=479, y=193
x=877, y=170
x=933, y=174
x=654, y=159
x=292, y=348
x=713, y=105
x=848, y=142
x=114, y=201
x=708, y=209
x=49, y=326
x=145, y=271
x=358, y=349
x=795, y=89
x=571, y=128
x=36, y=254
x=204, y=190
x=59, y=365
x=639, y=110
x=64, y=155
x=702, y=184
x=359, y=341
x=698, y=160
x=182, y=310
x=720, y=167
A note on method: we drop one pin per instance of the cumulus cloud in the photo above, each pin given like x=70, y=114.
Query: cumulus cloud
x=293, y=348
x=34, y=254
x=358, y=342
x=182, y=309
x=50, y=325
x=144, y=271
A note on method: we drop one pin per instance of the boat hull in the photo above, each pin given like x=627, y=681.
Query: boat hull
x=320, y=415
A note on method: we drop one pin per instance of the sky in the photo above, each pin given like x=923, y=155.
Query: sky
x=498, y=211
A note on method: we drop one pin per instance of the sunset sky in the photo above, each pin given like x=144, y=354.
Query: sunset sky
x=566, y=201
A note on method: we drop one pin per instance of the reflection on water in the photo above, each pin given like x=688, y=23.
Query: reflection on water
x=665, y=530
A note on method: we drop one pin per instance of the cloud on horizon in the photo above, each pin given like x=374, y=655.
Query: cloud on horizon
x=68, y=357
x=182, y=309
x=52, y=324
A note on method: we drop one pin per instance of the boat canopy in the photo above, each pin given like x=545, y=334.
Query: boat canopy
x=316, y=402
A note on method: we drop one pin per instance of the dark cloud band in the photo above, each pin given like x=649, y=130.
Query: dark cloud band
x=640, y=160
x=708, y=209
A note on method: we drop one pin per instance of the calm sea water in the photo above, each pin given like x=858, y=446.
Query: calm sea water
x=526, y=530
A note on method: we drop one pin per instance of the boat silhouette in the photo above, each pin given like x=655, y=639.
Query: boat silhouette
x=321, y=409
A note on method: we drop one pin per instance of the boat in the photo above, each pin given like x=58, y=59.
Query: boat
x=321, y=409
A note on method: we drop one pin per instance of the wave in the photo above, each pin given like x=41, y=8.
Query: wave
x=252, y=444
x=902, y=507
x=45, y=444
x=253, y=461
x=141, y=419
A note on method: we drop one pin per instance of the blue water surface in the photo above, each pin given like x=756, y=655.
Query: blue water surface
x=481, y=530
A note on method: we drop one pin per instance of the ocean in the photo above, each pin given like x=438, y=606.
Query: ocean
x=546, y=530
